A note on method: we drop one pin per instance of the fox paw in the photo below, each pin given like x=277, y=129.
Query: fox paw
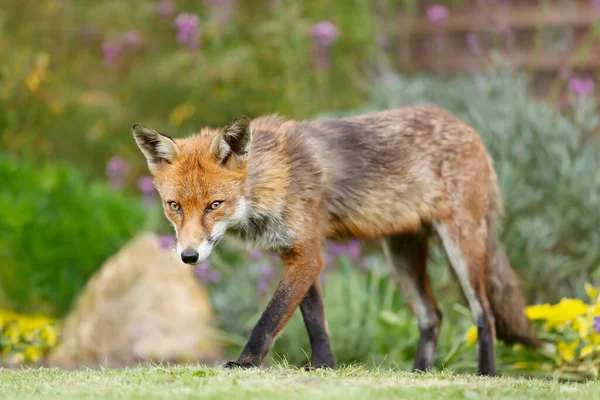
x=235, y=364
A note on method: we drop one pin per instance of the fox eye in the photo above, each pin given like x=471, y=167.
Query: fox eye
x=214, y=205
x=174, y=206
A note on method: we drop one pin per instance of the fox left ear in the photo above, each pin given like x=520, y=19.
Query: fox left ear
x=157, y=148
x=233, y=140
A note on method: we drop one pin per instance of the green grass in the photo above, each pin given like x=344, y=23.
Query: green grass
x=352, y=382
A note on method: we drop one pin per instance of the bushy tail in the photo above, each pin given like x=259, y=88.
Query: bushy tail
x=503, y=287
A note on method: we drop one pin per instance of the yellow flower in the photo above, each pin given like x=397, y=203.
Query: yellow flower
x=591, y=291
x=566, y=310
x=49, y=335
x=18, y=358
x=471, y=336
x=587, y=350
x=582, y=326
x=540, y=311
x=181, y=113
x=29, y=324
x=12, y=333
x=32, y=354
x=8, y=315
x=38, y=74
x=566, y=350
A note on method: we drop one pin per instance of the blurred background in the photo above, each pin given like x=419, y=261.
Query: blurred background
x=85, y=270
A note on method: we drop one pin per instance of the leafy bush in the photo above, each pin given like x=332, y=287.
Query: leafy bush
x=55, y=231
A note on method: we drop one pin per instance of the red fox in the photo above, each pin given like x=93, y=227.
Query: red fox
x=396, y=175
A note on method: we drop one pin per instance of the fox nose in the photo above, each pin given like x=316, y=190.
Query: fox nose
x=189, y=256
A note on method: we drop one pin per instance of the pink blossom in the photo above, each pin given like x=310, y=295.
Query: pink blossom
x=206, y=274
x=437, y=13
x=582, y=86
x=166, y=241
x=165, y=8
x=116, y=170
x=145, y=185
x=324, y=34
x=188, y=30
x=132, y=40
x=110, y=51
x=596, y=5
x=473, y=44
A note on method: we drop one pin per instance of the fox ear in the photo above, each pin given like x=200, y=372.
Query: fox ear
x=233, y=140
x=155, y=146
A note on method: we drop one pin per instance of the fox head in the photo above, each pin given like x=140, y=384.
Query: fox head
x=201, y=181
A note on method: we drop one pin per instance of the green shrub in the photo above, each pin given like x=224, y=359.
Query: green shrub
x=55, y=231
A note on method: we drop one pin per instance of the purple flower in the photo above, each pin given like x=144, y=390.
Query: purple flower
x=132, y=40
x=266, y=277
x=324, y=33
x=188, y=30
x=145, y=185
x=275, y=260
x=473, y=44
x=255, y=255
x=166, y=241
x=582, y=86
x=206, y=274
x=116, y=170
x=110, y=51
x=508, y=35
x=596, y=5
x=596, y=324
x=337, y=249
x=437, y=13
x=165, y=8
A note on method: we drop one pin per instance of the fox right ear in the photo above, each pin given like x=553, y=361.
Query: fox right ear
x=233, y=140
x=157, y=148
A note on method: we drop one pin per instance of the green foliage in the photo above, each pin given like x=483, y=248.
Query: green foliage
x=55, y=231
x=61, y=97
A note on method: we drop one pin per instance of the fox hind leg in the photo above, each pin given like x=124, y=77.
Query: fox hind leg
x=407, y=253
x=466, y=250
x=313, y=313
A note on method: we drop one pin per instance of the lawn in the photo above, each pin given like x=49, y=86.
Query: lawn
x=353, y=382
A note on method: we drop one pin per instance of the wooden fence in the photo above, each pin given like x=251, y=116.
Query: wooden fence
x=546, y=37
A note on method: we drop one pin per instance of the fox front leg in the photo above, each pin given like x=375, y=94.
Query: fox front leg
x=302, y=265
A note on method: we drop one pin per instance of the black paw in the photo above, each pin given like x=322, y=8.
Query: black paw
x=316, y=364
x=235, y=364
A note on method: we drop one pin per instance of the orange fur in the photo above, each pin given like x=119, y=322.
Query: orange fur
x=285, y=185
